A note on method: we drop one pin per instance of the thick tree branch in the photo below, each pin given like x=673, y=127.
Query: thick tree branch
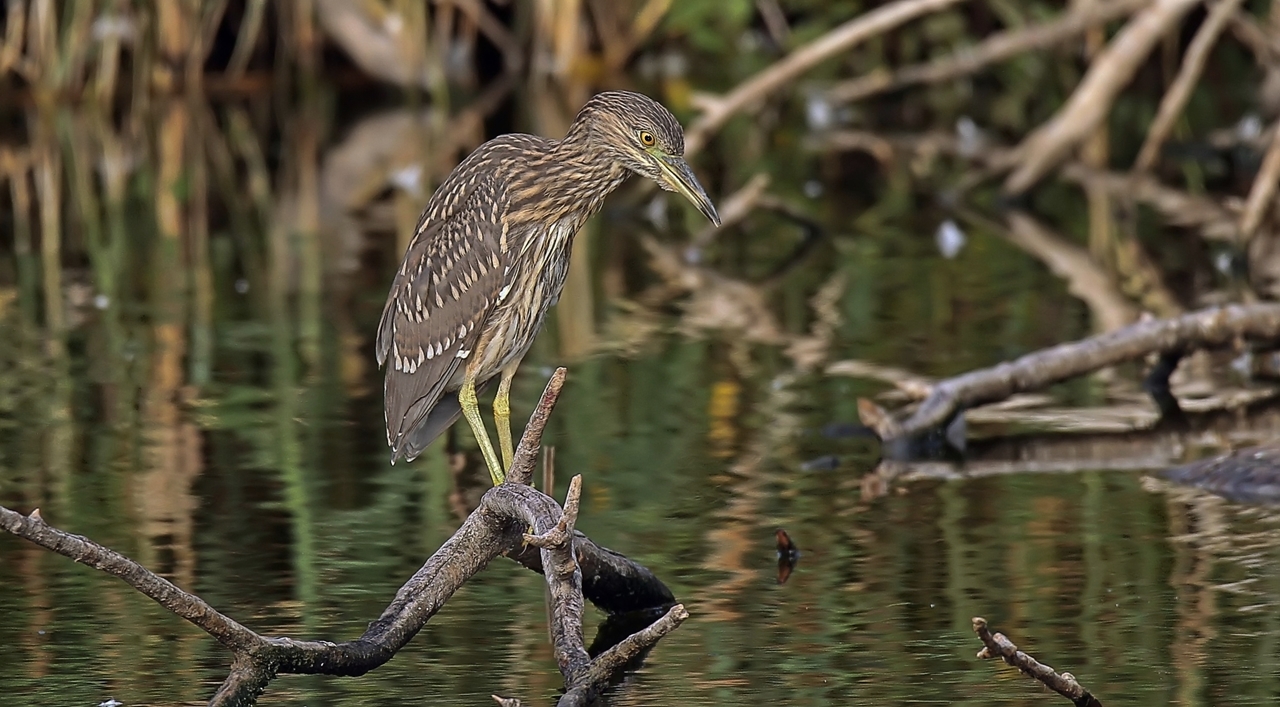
x=508, y=517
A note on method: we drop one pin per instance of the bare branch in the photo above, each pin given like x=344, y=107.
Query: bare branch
x=779, y=75
x=998, y=645
x=1092, y=99
x=999, y=47
x=189, y=606
x=1175, y=99
x=1206, y=328
x=1262, y=193
x=1085, y=278
x=527, y=452
x=494, y=528
x=616, y=658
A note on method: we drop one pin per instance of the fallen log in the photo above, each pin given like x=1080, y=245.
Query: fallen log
x=1215, y=327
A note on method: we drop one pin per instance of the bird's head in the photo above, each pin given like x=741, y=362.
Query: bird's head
x=641, y=135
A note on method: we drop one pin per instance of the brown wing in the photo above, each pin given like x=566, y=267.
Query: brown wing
x=442, y=294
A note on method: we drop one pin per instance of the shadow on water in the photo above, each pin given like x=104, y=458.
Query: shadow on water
x=188, y=378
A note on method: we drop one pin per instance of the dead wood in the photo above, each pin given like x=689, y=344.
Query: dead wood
x=1137, y=441
x=997, y=645
x=1175, y=99
x=997, y=48
x=717, y=111
x=511, y=519
x=1089, y=104
x=1085, y=278
x=1208, y=328
x=1209, y=218
x=1262, y=194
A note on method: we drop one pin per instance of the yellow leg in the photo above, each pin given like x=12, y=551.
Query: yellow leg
x=502, y=415
x=471, y=411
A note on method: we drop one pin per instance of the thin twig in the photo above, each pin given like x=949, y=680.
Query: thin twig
x=998, y=645
x=1175, y=99
x=32, y=527
x=563, y=531
x=616, y=658
x=999, y=47
x=781, y=74
x=1262, y=193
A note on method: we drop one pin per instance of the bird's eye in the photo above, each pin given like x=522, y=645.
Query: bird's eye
x=647, y=139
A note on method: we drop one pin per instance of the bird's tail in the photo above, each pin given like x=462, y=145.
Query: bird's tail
x=443, y=414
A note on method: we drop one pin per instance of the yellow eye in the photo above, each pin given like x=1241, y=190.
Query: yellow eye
x=647, y=139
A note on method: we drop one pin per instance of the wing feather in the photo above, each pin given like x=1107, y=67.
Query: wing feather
x=442, y=295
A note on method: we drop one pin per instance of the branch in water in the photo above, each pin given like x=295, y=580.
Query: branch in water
x=998, y=645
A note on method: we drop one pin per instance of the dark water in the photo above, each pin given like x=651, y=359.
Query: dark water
x=217, y=416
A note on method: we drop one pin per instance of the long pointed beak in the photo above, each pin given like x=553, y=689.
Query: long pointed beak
x=680, y=178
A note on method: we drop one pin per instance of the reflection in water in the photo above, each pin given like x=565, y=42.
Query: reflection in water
x=187, y=378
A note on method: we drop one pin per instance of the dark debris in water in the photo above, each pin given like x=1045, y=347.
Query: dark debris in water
x=1250, y=475
x=788, y=555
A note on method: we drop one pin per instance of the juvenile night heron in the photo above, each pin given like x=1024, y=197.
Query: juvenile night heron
x=490, y=255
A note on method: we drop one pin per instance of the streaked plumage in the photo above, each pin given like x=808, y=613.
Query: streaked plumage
x=491, y=252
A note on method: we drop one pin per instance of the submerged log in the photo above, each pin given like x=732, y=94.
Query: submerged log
x=1250, y=475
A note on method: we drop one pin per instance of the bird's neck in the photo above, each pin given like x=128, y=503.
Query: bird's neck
x=570, y=183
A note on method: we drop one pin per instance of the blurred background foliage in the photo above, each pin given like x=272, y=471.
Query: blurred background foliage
x=201, y=204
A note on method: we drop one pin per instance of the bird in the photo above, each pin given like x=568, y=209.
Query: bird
x=489, y=256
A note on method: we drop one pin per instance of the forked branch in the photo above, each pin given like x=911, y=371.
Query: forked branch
x=497, y=527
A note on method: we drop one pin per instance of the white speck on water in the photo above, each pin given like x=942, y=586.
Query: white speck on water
x=813, y=189
x=111, y=702
x=242, y=285
x=1249, y=127
x=674, y=65
x=101, y=301
x=970, y=136
x=408, y=179
x=1243, y=364
x=656, y=211
x=818, y=112
x=950, y=239
x=1222, y=262
x=113, y=27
